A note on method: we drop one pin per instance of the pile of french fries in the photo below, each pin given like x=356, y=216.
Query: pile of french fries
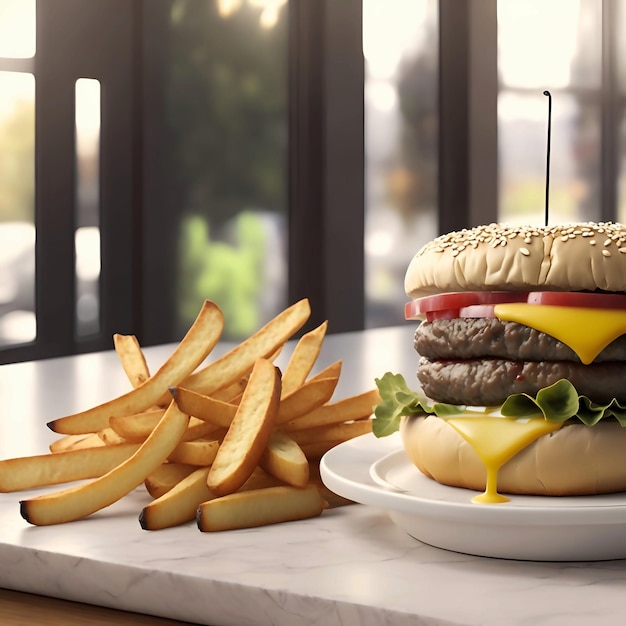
x=232, y=444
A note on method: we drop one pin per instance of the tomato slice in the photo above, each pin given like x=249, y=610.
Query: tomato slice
x=578, y=298
x=480, y=303
x=422, y=307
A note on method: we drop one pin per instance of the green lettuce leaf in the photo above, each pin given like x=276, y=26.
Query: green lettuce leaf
x=557, y=403
x=398, y=400
x=560, y=402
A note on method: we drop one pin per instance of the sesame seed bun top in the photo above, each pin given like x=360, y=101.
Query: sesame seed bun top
x=571, y=257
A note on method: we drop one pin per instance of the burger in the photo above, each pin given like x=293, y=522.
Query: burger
x=522, y=361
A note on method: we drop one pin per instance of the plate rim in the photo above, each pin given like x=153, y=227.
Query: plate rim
x=369, y=492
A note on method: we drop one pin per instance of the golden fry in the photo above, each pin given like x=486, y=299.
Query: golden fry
x=204, y=407
x=190, y=352
x=233, y=365
x=305, y=399
x=110, y=437
x=352, y=408
x=260, y=479
x=260, y=507
x=200, y=452
x=179, y=504
x=249, y=431
x=136, y=427
x=166, y=476
x=91, y=441
x=303, y=359
x=132, y=358
x=61, y=467
x=69, y=442
x=334, y=432
x=87, y=498
x=283, y=458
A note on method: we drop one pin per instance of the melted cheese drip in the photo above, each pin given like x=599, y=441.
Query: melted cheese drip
x=496, y=440
x=586, y=331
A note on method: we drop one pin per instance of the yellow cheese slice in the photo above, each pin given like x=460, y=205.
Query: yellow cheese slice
x=587, y=331
x=496, y=440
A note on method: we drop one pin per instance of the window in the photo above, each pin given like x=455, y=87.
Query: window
x=565, y=57
x=17, y=178
x=225, y=88
x=259, y=151
x=400, y=43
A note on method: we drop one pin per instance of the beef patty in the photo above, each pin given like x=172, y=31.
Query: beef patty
x=481, y=361
x=472, y=338
x=489, y=382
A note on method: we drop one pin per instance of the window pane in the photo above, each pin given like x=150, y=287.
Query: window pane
x=546, y=45
x=17, y=197
x=556, y=46
x=575, y=158
x=227, y=97
x=87, y=236
x=400, y=46
x=17, y=29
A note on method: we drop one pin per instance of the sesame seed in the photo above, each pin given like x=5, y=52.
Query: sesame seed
x=605, y=252
x=524, y=251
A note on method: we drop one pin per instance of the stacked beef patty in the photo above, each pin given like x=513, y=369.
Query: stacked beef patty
x=481, y=361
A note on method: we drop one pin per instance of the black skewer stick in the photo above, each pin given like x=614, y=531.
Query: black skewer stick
x=547, y=93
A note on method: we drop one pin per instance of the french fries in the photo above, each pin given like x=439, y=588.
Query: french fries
x=132, y=358
x=192, y=350
x=229, y=444
x=249, y=431
x=283, y=458
x=87, y=498
x=204, y=407
x=334, y=432
x=179, y=504
x=232, y=366
x=165, y=477
x=62, y=467
x=306, y=398
x=303, y=359
x=201, y=452
x=349, y=409
x=136, y=427
x=71, y=442
x=260, y=507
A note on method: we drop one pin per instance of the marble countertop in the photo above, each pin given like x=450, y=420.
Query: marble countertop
x=351, y=565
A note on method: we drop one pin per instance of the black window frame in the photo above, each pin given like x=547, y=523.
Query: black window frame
x=326, y=167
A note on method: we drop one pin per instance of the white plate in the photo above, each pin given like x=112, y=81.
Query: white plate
x=377, y=472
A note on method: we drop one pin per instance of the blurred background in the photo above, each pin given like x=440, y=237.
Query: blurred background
x=223, y=106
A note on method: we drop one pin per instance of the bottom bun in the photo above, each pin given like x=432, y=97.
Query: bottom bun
x=572, y=461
